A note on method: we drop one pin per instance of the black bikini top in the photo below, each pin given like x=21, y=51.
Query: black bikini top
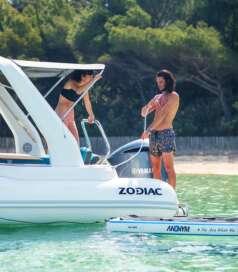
x=70, y=94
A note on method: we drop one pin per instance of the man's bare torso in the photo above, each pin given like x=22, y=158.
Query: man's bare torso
x=165, y=113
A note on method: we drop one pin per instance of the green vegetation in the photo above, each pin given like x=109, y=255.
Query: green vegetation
x=197, y=40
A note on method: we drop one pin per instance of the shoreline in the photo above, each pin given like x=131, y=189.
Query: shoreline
x=217, y=165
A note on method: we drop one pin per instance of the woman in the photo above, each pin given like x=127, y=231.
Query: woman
x=73, y=88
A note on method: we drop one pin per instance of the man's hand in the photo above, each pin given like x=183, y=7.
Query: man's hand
x=145, y=135
x=148, y=108
x=91, y=118
x=144, y=111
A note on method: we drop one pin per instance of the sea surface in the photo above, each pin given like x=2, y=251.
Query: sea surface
x=90, y=247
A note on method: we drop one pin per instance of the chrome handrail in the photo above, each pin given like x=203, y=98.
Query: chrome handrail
x=88, y=142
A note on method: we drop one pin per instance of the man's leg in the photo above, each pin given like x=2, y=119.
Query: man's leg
x=156, y=166
x=168, y=159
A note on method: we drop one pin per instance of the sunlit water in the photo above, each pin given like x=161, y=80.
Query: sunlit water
x=82, y=248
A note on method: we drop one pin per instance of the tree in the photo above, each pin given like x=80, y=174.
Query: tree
x=87, y=35
x=222, y=15
x=195, y=53
x=165, y=12
x=135, y=38
x=53, y=20
x=18, y=37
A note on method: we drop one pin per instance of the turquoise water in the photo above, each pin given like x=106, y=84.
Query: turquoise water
x=66, y=248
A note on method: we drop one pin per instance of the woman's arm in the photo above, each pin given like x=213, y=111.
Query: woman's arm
x=89, y=108
x=81, y=87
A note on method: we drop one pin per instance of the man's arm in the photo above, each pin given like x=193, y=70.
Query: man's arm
x=148, y=108
x=163, y=112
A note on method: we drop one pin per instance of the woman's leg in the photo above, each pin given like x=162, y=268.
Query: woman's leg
x=71, y=125
x=73, y=129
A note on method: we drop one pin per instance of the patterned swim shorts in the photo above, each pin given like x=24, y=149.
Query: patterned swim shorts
x=162, y=141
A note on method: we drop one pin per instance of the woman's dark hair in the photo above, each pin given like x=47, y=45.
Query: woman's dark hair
x=77, y=74
x=170, y=81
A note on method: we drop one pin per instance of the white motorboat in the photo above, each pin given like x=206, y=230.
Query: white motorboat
x=44, y=183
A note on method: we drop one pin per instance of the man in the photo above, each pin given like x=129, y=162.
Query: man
x=160, y=132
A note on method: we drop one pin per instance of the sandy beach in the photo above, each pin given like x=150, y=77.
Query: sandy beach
x=220, y=165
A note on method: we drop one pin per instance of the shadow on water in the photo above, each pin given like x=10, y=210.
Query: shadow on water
x=48, y=231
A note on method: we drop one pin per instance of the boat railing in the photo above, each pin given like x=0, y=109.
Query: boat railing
x=88, y=142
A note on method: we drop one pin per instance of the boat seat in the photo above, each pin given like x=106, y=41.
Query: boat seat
x=86, y=154
x=14, y=158
x=95, y=158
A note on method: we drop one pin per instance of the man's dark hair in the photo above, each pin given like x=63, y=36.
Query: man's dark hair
x=170, y=81
x=77, y=74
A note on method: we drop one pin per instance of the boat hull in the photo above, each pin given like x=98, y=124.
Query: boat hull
x=84, y=214
x=34, y=196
